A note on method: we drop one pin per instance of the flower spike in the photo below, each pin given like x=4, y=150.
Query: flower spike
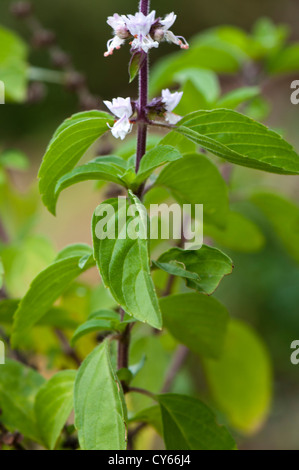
x=146, y=32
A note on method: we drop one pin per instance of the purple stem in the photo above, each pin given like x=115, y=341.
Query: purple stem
x=144, y=7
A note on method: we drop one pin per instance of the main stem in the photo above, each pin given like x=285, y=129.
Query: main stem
x=124, y=342
x=144, y=7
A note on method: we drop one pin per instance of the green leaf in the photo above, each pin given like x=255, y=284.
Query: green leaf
x=240, y=234
x=198, y=321
x=13, y=65
x=14, y=159
x=95, y=170
x=203, y=269
x=283, y=216
x=124, y=262
x=196, y=180
x=268, y=35
x=151, y=416
x=47, y=287
x=18, y=388
x=55, y=317
x=99, y=403
x=136, y=62
x=183, y=144
x=240, y=140
x=104, y=320
x=201, y=89
x=236, y=97
x=68, y=145
x=241, y=380
x=216, y=57
x=7, y=309
x=188, y=424
x=153, y=159
x=23, y=260
x=285, y=60
x=1, y=273
x=53, y=405
x=234, y=39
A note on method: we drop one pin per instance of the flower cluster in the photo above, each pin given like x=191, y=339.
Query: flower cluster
x=122, y=108
x=146, y=32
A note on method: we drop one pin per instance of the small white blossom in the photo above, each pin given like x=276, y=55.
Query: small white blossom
x=168, y=35
x=121, y=108
x=171, y=100
x=121, y=33
x=139, y=26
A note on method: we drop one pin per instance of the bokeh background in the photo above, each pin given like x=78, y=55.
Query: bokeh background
x=264, y=289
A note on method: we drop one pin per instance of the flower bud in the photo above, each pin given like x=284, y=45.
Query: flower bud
x=159, y=35
x=122, y=32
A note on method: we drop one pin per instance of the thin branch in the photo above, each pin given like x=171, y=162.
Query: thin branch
x=179, y=360
x=141, y=391
x=67, y=349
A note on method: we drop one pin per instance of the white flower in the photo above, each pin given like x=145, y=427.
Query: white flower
x=139, y=26
x=121, y=33
x=139, y=23
x=168, y=35
x=171, y=100
x=121, y=108
x=116, y=21
x=112, y=44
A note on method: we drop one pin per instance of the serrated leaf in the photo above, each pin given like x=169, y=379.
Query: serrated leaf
x=196, y=180
x=18, y=388
x=124, y=262
x=203, y=269
x=99, y=403
x=66, y=148
x=239, y=234
x=240, y=380
x=53, y=405
x=188, y=424
x=47, y=287
x=283, y=216
x=198, y=321
x=240, y=140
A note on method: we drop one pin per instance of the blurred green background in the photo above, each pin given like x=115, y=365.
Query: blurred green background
x=264, y=289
